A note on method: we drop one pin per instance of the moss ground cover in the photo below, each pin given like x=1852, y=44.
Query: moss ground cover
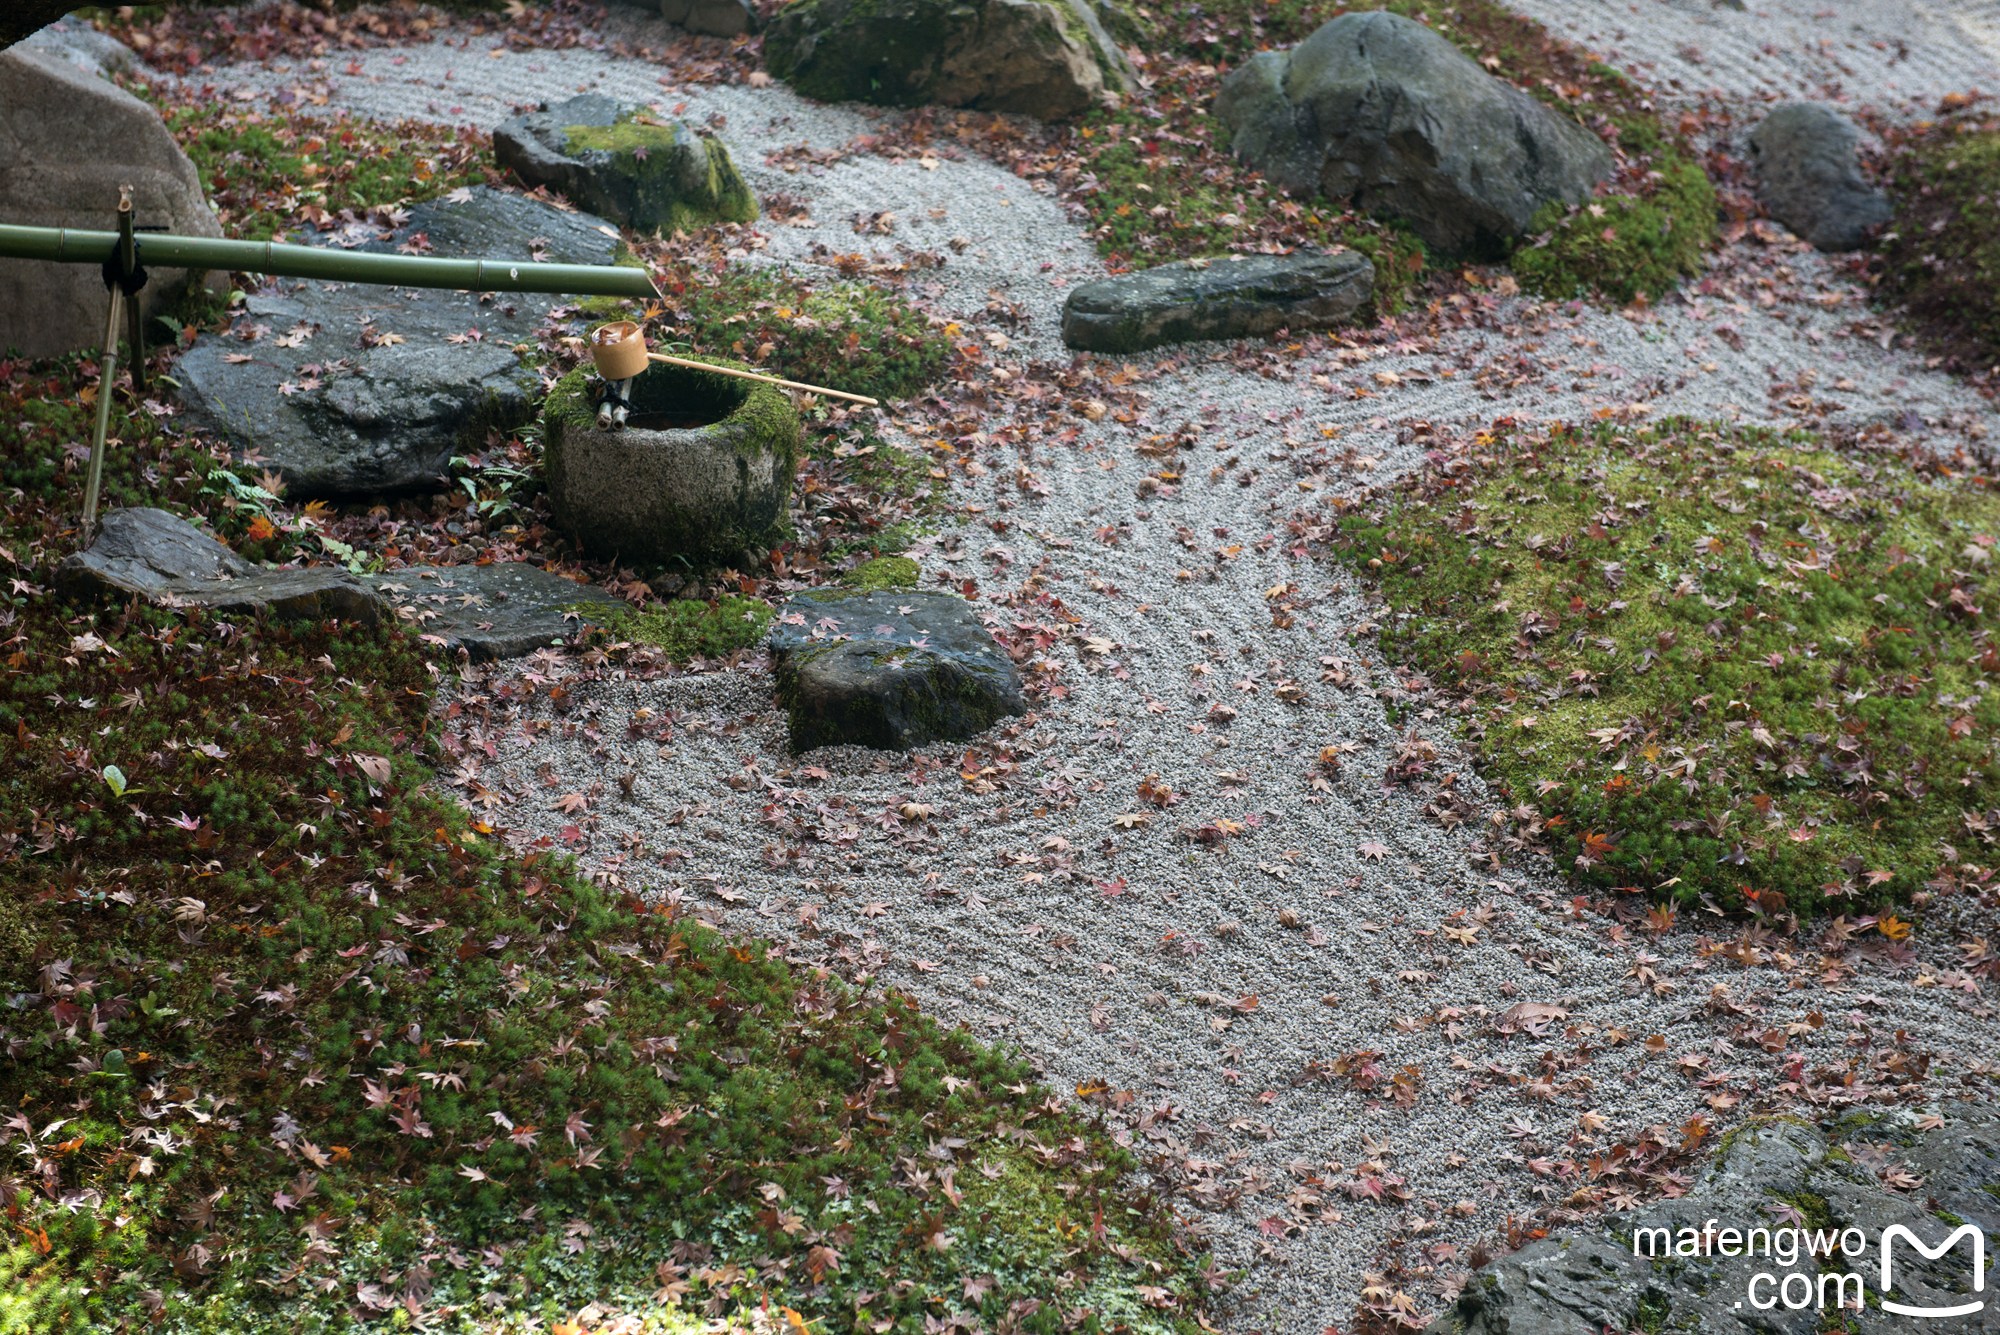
x=843, y=333
x=688, y=629
x=270, y=991
x=266, y=172
x=1940, y=256
x=1626, y=245
x=1721, y=664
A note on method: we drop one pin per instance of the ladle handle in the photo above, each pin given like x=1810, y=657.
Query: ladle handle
x=766, y=379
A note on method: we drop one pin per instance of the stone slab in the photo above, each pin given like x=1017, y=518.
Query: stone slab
x=505, y=609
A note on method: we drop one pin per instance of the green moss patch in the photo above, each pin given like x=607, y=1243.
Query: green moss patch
x=842, y=333
x=1623, y=245
x=1706, y=661
x=690, y=629
x=337, y=1040
x=1940, y=257
x=885, y=572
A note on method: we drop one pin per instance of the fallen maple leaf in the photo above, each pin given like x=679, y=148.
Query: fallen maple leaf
x=1374, y=849
x=1529, y=1017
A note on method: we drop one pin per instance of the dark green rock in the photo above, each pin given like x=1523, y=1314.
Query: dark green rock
x=1048, y=60
x=502, y=610
x=856, y=668
x=654, y=177
x=1809, y=176
x=657, y=496
x=321, y=593
x=1379, y=111
x=1238, y=296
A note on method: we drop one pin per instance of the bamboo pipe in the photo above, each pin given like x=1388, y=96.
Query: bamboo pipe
x=72, y=246
x=763, y=379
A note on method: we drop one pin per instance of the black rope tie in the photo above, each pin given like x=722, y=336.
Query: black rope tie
x=114, y=274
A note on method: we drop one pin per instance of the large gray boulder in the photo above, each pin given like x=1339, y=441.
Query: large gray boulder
x=703, y=471
x=891, y=670
x=1809, y=176
x=1379, y=111
x=1047, y=60
x=1237, y=296
x=85, y=47
x=1651, y=1269
x=158, y=557
x=712, y=18
x=502, y=610
x=654, y=176
x=349, y=391
x=68, y=141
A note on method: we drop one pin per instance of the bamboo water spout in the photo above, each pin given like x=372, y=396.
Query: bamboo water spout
x=70, y=245
x=619, y=351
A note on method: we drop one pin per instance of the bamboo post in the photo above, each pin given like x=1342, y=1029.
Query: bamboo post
x=128, y=264
x=107, y=366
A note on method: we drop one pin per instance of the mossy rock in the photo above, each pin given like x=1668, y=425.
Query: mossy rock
x=1047, y=60
x=884, y=572
x=651, y=175
x=853, y=668
x=704, y=471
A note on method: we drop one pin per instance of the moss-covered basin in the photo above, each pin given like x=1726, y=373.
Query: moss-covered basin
x=890, y=669
x=703, y=471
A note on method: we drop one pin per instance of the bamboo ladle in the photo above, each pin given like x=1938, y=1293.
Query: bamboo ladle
x=620, y=351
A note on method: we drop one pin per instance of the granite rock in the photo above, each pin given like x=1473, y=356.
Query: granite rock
x=1049, y=60
x=1666, y=1267
x=855, y=668
x=1809, y=176
x=1377, y=111
x=651, y=175
x=68, y=140
x=138, y=553
x=1240, y=296
x=352, y=390
x=504, y=609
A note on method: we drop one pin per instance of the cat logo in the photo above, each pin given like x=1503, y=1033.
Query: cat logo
x=1894, y=1231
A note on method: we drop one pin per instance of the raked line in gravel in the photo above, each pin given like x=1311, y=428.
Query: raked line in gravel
x=1123, y=967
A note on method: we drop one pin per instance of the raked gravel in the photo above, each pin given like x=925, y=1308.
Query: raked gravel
x=1000, y=919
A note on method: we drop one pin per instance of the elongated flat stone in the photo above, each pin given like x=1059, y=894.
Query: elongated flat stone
x=1238, y=296
x=503, y=610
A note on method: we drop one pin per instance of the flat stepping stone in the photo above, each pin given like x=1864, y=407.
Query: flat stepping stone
x=1239, y=296
x=160, y=557
x=348, y=389
x=504, y=610
x=891, y=670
